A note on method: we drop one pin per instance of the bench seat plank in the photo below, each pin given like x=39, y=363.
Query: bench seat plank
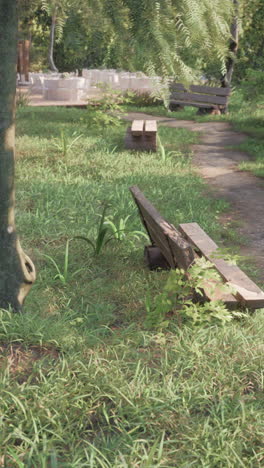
x=204, y=98
x=137, y=127
x=150, y=127
x=193, y=104
x=247, y=291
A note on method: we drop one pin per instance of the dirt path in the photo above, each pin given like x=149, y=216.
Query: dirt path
x=218, y=164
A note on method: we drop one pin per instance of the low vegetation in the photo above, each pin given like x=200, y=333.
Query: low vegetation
x=85, y=381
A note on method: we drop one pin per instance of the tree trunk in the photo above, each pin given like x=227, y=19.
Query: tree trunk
x=51, y=44
x=17, y=272
x=233, y=46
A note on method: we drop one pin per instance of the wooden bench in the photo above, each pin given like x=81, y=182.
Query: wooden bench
x=204, y=97
x=172, y=248
x=142, y=135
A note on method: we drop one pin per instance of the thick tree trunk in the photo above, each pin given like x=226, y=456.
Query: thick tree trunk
x=233, y=47
x=51, y=44
x=17, y=272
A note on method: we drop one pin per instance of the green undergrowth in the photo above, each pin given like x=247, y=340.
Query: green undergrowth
x=248, y=117
x=84, y=383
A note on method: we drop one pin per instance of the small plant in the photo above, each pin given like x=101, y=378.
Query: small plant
x=63, y=273
x=64, y=144
x=253, y=84
x=119, y=230
x=142, y=99
x=101, y=238
x=108, y=109
x=165, y=155
x=108, y=231
x=22, y=99
x=178, y=294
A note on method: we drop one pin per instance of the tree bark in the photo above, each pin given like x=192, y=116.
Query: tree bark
x=233, y=47
x=51, y=44
x=17, y=272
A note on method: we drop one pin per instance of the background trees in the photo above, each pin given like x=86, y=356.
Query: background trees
x=183, y=38
x=172, y=37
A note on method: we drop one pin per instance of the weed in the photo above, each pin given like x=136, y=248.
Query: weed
x=22, y=99
x=120, y=230
x=64, y=144
x=101, y=236
x=62, y=273
x=108, y=110
x=177, y=297
x=166, y=156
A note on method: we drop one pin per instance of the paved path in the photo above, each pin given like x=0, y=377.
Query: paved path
x=218, y=164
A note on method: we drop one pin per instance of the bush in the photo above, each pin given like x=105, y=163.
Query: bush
x=142, y=99
x=253, y=85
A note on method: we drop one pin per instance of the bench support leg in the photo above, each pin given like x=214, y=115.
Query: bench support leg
x=155, y=260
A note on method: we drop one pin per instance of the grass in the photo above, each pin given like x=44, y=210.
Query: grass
x=83, y=382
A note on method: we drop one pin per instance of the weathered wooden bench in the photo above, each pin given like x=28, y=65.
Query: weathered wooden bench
x=172, y=248
x=204, y=97
x=142, y=135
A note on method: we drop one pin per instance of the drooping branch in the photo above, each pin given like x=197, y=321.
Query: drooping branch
x=17, y=272
x=51, y=43
x=233, y=47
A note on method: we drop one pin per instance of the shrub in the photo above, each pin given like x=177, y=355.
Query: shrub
x=253, y=85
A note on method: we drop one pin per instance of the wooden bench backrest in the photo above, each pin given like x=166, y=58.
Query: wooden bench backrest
x=199, y=94
x=175, y=249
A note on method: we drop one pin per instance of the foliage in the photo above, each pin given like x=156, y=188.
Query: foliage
x=178, y=297
x=107, y=109
x=142, y=99
x=253, y=84
x=102, y=237
x=166, y=156
x=171, y=38
x=250, y=53
x=22, y=99
x=120, y=230
x=108, y=230
x=64, y=144
x=62, y=273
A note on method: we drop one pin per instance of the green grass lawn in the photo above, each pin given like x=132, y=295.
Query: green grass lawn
x=84, y=383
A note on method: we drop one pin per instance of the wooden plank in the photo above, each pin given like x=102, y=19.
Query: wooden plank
x=163, y=234
x=182, y=252
x=193, y=104
x=211, y=90
x=137, y=127
x=177, y=87
x=202, y=89
x=150, y=127
x=157, y=236
x=205, y=98
x=247, y=291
